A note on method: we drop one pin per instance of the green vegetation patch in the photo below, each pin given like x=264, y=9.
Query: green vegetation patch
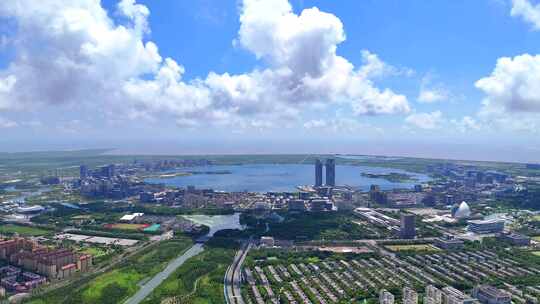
x=23, y=230
x=330, y=226
x=94, y=251
x=122, y=281
x=200, y=279
x=413, y=247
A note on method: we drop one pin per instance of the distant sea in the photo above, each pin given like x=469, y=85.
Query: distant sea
x=282, y=177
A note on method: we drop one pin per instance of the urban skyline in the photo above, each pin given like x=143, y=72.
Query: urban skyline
x=270, y=151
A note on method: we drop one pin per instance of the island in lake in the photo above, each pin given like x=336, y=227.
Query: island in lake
x=188, y=173
x=392, y=177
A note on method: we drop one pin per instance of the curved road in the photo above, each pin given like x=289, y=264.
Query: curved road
x=233, y=277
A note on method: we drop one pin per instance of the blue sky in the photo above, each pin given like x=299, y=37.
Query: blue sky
x=422, y=78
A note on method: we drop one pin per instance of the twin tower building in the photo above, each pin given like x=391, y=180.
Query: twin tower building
x=330, y=172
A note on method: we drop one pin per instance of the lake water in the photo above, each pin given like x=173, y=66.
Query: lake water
x=282, y=177
x=216, y=222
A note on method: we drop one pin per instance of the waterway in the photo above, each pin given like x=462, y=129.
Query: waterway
x=282, y=177
x=216, y=223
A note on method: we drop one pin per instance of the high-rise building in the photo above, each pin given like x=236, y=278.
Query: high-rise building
x=330, y=172
x=318, y=173
x=377, y=196
x=410, y=296
x=407, y=227
x=108, y=171
x=433, y=295
x=385, y=297
x=83, y=171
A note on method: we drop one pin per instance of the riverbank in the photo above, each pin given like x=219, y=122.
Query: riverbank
x=199, y=279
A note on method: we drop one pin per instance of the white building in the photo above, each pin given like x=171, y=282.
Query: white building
x=267, y=241
x=130, y=217
x=385, y=297
x=410, y=296
x=463, y=211
x=433, y=295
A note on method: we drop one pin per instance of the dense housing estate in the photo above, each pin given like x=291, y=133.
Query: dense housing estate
x=53, y=263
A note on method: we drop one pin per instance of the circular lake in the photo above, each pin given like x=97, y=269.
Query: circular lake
x=281, y=177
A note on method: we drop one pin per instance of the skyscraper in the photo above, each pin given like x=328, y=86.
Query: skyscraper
x=318, y=173
x=330, y=172
x=83, y=172
x=108, y=171
x=407, y=230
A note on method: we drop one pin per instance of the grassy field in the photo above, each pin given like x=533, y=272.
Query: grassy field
x=536, y=238
x=94, y=251
x=537, y=253
x=536, y=218
x=199, y=280
x=22, y=230
x=121, y=282
x=127, y=226
x=413, y=247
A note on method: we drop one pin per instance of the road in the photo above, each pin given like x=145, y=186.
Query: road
x=233, y=277
x=148, y=287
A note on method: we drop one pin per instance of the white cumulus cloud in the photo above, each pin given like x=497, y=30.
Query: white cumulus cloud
x=74, y=53
x=512, y=94
x=430, y=93
x=339, y=125
x=527, y=11
x=465, y=124
x=6, y=123
x=427, y=121
x=513, y=85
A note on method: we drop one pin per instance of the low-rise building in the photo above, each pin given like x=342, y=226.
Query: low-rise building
x=487, y=294
x=515, y=239
x=449, y=243
x=267, y=241
x=486, y=226
x=450, y=295
x=130, y=217
x=297, y=205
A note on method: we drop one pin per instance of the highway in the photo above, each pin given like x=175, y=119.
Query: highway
x=233, y=277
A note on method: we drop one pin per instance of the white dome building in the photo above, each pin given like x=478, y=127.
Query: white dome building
x=463, y=211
